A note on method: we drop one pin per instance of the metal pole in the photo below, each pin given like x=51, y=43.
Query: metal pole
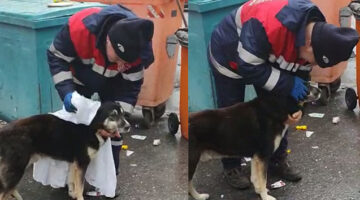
x=182, y=13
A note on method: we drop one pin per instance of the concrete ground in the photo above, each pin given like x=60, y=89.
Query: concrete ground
x=330, y=172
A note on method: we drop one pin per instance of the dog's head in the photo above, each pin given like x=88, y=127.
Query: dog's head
x=279, y=106
x=111, y=118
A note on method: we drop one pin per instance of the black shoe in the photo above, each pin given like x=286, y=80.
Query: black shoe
x=235, y=179
x=284, y=171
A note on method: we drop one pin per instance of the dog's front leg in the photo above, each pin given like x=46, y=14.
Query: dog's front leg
x=17, y=195
x=259, y=176
x=195, y=194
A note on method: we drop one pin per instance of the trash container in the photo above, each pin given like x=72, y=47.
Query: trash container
x=159, y=77
x=204, y=15
x=27, y=28
x=329, y=78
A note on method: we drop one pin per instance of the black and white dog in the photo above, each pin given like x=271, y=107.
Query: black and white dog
x=22, y=141
x=252, y=129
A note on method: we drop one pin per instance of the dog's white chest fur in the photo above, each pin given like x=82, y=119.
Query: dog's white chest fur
x=278, y=138
x=210, y=155
x=91, y=151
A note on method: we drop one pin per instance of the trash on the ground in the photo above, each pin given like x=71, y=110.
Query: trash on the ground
x=302, y=127
x=247, y=159
x=139, y=137
x=128, y=152
x=133, y=165
x=317, y=115
x=156, y=142
x=278, y=184
x=222, y=196
x=60, y=4
x=335, y=120
x=309, y=133
x=243, y=164
x=137, y=126
x=315, y=147
x=288, y=151
x=124, y=147
x=93, y=194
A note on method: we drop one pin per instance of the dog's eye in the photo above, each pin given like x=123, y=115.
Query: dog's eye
x=114, y=113
x=122, y=110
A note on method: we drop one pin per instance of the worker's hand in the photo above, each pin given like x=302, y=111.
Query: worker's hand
x=299, y=90
x=107, y=134
x=294, y=118
x=67, y=103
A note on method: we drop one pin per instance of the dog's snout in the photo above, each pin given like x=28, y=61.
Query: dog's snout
x=127, y=129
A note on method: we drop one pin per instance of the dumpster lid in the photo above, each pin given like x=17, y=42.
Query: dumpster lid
x=208, y=5
x=36, y=13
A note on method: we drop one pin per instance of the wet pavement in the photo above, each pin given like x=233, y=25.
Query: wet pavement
x=330, y=172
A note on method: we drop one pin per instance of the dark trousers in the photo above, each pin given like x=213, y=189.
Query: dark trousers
x=116, y=143
x=230, y=91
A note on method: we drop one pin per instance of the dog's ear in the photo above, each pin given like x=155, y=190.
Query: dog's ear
x=293, y=106
x=122, y=111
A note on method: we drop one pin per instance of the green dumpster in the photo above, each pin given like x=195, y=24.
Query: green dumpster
x=204, y=15
x=27, y=28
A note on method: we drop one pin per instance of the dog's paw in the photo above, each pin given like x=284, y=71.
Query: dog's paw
x=268, y=197
x=72, y=194
x=202, y=197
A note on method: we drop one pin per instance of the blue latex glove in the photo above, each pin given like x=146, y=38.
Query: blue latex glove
x=299, y=91
x=67, y=103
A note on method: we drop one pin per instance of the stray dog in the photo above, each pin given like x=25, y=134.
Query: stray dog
x=23, y=141
x=252, y=129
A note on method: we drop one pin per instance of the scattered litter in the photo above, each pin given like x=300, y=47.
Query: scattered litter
x=128, y=152
x=317, y=115
x=309, y=133
x=335, y=120
x=278, y=184
x=124, y=147
x=303, y=127
x=139, y=137
x=315, y=147
x=288, y=151
x=156, y=142
x=243, y=164
x=247, y=159
x=137, y=126
x=222, y=196
x=133, y=165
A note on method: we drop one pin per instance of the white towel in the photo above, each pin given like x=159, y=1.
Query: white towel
x=101, y=170
x=86, y=110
